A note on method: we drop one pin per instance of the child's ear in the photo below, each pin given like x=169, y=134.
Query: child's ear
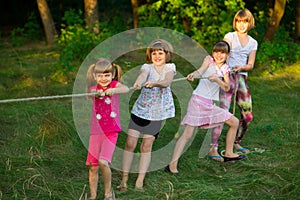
x=94, y=75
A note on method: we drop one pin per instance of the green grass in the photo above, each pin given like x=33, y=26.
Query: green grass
x=42, y=157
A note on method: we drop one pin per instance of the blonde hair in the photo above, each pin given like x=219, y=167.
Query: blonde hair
x=244, y=15
x=102, y=65
x=160, y=44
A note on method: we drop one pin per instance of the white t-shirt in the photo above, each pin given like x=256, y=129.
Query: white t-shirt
x=206, y=88
x=238, y=54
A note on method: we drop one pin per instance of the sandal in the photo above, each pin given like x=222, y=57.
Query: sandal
x=217, y=158
x=168, y=170
x=241, y=149
x=232, y=159
x=122, y=187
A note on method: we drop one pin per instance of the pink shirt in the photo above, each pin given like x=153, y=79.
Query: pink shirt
x=105, y=112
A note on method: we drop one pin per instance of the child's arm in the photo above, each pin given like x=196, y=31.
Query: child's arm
x=225, y=85
x=250, y=64
x=119, y=89
x=140, y=79
x=198, y=73
x=162, y=83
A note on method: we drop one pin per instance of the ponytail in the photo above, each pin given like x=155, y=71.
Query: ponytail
x=118, y=72
x=90, y=81
x=102, y=65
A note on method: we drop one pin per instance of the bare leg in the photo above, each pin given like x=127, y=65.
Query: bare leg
x=146, y=148
x=233, y=123
x=106, y=177
x=93, y=181
x=130, y=146
x=182, y=141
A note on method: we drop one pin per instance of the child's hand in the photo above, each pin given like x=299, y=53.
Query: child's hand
x=149, y=84
x=190, y=77
x=137, y=86
x=213, y=78
x=110, y=92
x=99, y=93
x=237, y=68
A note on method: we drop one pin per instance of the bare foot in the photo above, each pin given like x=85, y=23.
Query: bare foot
x=139, y=184
x=173, y=169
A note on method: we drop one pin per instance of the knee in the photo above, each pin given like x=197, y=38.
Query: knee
x=130, y=145
x=103, y=163
x=235, y=122
x=94, y=169
x=145, y=148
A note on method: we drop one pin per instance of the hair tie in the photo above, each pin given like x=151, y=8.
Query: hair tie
x=157, y=42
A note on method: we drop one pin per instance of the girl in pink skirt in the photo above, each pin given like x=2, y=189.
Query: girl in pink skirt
x=202, y=112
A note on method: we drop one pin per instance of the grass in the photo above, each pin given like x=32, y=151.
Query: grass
x=42, y=156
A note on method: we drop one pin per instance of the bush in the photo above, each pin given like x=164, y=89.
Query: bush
x=76, y=40
x=30, y=31
x=280, y=52
x=203, y=21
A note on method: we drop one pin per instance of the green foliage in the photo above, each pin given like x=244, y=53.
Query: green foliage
x=76, y=40
x=75, y=43
x=204, y=21
x=278, y=53
x=71, y=17
x=30, y=31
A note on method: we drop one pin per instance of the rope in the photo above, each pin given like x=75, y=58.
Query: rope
x=69, y=95
x=235, y=93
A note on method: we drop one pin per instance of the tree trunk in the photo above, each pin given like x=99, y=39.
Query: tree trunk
x=134, y=4
x=297, y=34
x=47, y=20
x=275, y=19
x=92, y=15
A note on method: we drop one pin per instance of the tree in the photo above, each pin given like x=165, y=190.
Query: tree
x=47, y=20
x=134, y=4
x=276, y=16
x=297, y=35
x=92, y=14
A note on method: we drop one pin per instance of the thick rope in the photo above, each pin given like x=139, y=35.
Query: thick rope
x=69, y=95
x=235, y=93
x=62, y=96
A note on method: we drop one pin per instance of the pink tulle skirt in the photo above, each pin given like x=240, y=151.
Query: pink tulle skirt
x=204, y=113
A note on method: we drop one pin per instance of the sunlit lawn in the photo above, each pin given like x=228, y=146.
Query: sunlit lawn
x=42, y=156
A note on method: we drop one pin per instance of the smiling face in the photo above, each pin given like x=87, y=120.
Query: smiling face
x=103, y=79
x=242, y=25
x=158, y=57
x=219, y=57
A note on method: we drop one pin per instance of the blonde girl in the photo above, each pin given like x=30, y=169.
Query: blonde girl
x=103, y=78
